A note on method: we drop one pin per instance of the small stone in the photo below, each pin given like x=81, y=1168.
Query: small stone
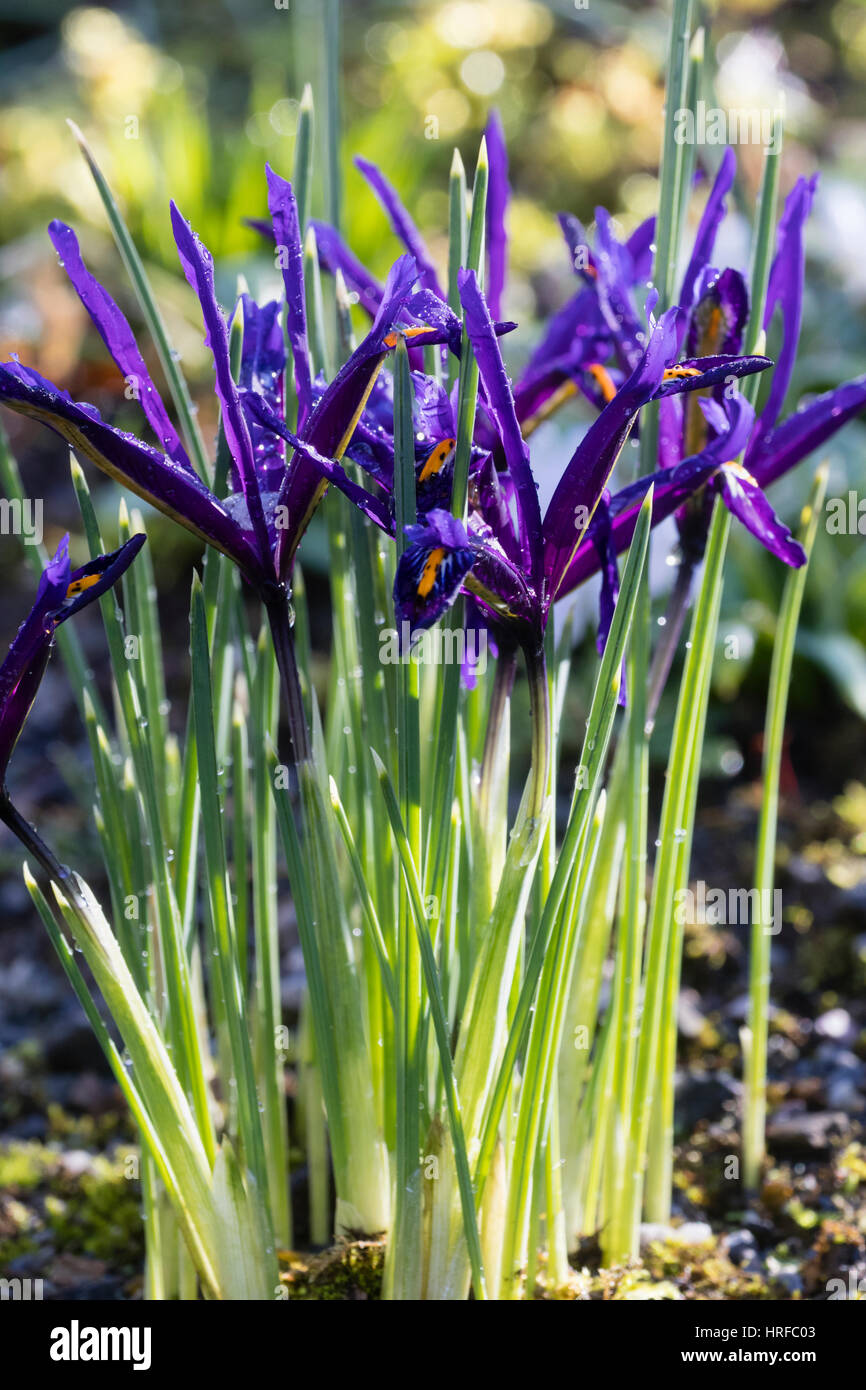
x=835, y=1023
x=786, y=1275
x=652, y=1232
x=735, y=1243
x=690, y=1017
x=704, y=1095
x=843, y=1094
x=742, y=1250
x=804, y=870
x=806, y=1134
x=74, y=1162
x=693, y=1233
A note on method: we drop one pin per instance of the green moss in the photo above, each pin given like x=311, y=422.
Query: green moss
x=851, y=1168
x=703, y=1271
x=347, y=1273
x=18, y=1221
x=23, y=1166
x=95, y=1211
x=87, y=1131
x=100, y=1215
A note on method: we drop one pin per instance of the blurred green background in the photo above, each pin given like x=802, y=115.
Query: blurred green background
x=189, y=100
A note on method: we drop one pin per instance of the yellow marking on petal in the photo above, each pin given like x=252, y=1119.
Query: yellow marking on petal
x=603, y=380
x=487, y=596
x=680, y=373
x=711, y=337
x=436, y=459
x=430, y=571
x=391, y=338
x=740, y=472
x=78, y=586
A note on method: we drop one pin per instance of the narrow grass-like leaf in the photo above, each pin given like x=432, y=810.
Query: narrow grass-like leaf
x=190, y=1221
x=169, y=358
x=587, y=786
x=183, y=1032
x=369, y=910
x=302, y=174
x=764, y=923
x=440, y=1026
x=403, y=1276
x=673, y=828
x=468, y=390
x=268, y=1013
x=457, y=228
x=225, y=944
x=673, y=152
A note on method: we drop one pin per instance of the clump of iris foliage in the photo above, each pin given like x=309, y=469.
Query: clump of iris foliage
x=476, y=1104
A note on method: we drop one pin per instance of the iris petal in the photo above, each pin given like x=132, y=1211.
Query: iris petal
x=498, y=198
x=62, y=592
x=284, y=211
x=166, y=485
x=402, y=224
x=785, y=291
x=198, y=268
x=263, y=362
x=431, y=570
x=500, y=401
x=744, y=498
x=711, y=220
x=119, y=338
x=774, y=453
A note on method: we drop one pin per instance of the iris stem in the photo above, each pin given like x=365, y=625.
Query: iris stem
x=764, y=923
x=675, y=616
x=503, y=684
x=35, y=845
x=279, y=620
x=539, y=707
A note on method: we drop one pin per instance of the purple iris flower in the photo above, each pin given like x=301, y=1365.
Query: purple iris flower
x=689, y=362
x=521, y=557
x=260, y=523
x=601, y=321
x=701, y=438
x=62, y=592
x=433, y=566
x=507, y=557
x=435, y=431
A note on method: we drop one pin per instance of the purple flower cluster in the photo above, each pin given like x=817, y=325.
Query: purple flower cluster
x=511, y=561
